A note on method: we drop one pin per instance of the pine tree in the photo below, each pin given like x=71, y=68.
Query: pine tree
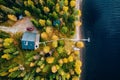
x=2, y=2
x=2, y=17
x=7, y=10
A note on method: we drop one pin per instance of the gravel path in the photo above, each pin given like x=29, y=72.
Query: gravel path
x=78, y=33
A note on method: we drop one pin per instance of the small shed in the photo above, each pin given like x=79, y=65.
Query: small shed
x=56, y=22
x=30, y=40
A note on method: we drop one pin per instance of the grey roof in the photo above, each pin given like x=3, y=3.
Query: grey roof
x=29, y=36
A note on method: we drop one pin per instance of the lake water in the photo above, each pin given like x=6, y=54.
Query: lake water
x=101, y=22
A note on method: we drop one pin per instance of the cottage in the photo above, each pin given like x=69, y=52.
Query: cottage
x=30, y=40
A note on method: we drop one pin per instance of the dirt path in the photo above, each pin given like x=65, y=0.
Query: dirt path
x=19, y=26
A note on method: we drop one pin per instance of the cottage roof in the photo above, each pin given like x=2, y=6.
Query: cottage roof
x=29, y=36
